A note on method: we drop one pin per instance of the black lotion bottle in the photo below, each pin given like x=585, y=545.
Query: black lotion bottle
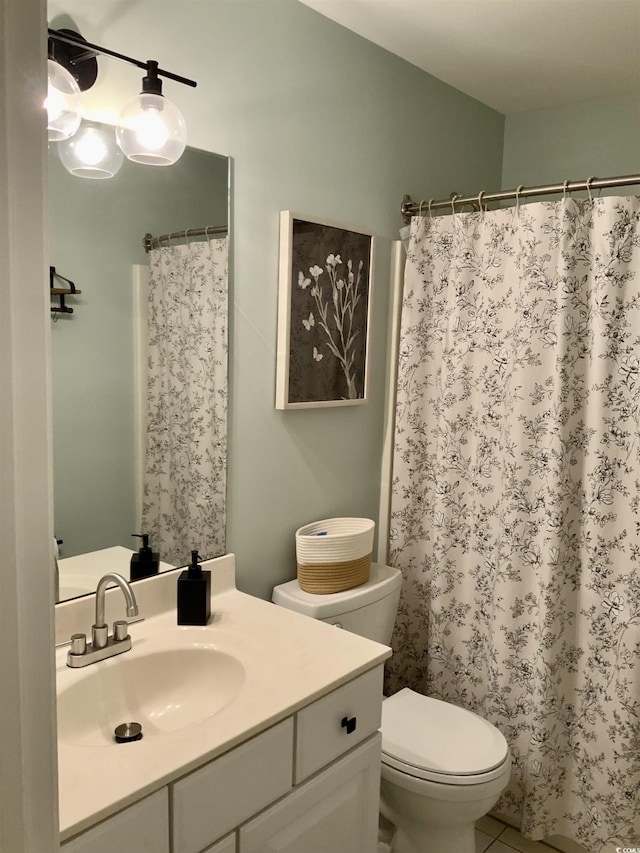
x=194, y=594
x=145, y=563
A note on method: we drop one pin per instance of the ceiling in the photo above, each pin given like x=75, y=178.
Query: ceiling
x=512, y=55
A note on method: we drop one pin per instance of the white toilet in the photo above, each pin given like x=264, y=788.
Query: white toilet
x=443, y=767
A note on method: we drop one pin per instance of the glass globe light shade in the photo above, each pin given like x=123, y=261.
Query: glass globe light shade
x=151, y=130
x=62, y=103
x=92, y=152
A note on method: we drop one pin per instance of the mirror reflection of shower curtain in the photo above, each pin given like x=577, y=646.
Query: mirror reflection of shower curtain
x=185, y=462
x=516, y=498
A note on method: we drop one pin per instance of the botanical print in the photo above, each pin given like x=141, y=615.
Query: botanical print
x=516, y=498
x=336, y=317
x=185, y=476
x=329, y=308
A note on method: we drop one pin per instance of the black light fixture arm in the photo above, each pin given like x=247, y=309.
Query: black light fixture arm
x=90, y=50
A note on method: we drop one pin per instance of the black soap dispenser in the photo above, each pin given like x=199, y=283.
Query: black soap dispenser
x=145, y=563
x=194, y=594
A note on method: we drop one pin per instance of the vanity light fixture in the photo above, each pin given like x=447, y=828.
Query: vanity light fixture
x=62, y=103
x=91, y=152
x=71, y=69
x=150, y=128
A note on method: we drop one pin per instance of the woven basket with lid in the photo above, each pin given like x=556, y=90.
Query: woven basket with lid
x=334, y=554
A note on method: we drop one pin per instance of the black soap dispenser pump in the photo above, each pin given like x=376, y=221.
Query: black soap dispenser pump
x=145, y=563
x=194, y=594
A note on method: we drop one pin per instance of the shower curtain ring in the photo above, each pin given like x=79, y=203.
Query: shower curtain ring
x=518, y=191
x=480, y=198
x=589, y=180
x=565, y=189
x=429, y=208
x=453, y=203
x=420, y=208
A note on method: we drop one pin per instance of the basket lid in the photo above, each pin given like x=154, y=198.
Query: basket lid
x=383, y=581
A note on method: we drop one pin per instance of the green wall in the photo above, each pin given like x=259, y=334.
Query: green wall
x=321, y=122
x=96, y=230
x=599, y=137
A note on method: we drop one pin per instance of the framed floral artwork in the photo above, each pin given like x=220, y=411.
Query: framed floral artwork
x=324, y=309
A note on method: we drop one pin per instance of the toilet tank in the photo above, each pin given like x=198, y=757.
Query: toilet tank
x=369, y=609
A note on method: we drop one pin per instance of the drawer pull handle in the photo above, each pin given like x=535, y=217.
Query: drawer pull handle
x=349, y=724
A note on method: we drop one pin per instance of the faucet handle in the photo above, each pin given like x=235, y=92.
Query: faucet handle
x=78, y=644
x=120, y=630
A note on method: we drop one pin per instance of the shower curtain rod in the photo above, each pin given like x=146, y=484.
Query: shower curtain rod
x=150, y=242
x=410, y=208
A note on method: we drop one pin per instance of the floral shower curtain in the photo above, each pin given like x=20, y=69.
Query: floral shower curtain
x=185, y=470
x=516, y=499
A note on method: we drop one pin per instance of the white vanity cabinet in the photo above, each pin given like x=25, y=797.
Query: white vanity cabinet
x=218, y=797
x=309, y=783
x=336, y=810
x=141, y=828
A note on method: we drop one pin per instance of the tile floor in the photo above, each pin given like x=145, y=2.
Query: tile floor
x=493, y=836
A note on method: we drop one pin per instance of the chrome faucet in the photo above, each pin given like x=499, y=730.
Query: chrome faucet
x=102, y=645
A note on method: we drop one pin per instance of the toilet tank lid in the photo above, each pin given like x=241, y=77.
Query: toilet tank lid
x=383, y=581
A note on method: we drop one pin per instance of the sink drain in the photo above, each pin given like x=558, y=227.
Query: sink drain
x=127, y=732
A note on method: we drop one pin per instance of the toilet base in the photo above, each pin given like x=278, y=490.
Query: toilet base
x=436, y=818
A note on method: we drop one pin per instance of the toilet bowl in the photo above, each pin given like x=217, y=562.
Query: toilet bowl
x=443, y=767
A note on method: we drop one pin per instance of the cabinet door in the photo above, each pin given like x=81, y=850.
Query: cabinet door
x=337, y=810
x=142, y=828
x=227, y=845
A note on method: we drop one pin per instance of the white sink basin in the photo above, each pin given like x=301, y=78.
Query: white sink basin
x=164, y=691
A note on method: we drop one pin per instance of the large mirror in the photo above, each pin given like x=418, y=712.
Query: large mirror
x=104, y=355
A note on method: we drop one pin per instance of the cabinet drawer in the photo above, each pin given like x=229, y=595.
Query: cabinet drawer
x=321, y=736
x=213, y=800
x=141, y=828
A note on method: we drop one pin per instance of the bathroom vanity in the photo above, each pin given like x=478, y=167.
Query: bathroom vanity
x=260, y=730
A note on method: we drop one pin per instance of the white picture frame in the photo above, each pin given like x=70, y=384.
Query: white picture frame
x=324, y=313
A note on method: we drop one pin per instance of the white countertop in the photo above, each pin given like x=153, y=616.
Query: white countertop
x=289, y=660
x=79, y=575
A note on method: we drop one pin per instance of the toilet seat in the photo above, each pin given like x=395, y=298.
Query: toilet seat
x=440, y=742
